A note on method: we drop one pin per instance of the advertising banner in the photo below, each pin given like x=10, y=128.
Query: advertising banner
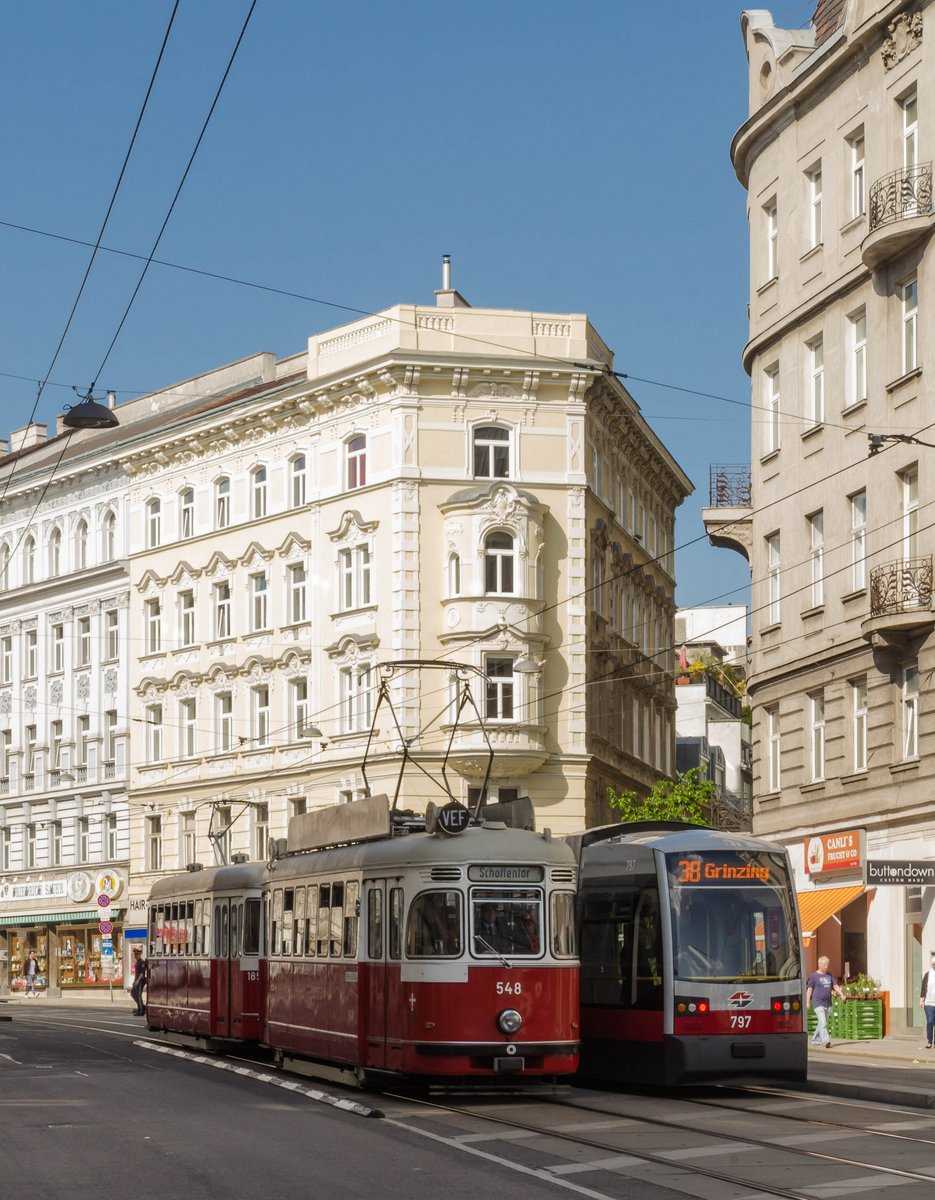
x=834, y=853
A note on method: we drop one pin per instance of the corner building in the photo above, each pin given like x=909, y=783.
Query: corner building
x=446, y=483
x=836, y=159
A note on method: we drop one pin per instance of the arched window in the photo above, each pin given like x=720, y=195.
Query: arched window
x=81, y=545
x=299, y=489
x=55, y=553
x=498, y=563
x=491, y=452
x=222, y=503
x=29, y=560
x=356, y=462
x=153, y=522
x=4, y=566
x=187, y=513
x=258, y=489
x=109, y=537
x=454, y=575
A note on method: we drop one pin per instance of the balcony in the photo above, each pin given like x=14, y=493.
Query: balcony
x=900, y=213
x=519, y=749
x=900, y=601
x=727, y=518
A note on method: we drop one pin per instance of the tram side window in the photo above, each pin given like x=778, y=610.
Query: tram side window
x=395, y=933
x=288, y=906
x=155, y=930
x=251, y=926
x=375, y=924
x=562, y=921
x=324, y=918
x=236, y=913
x=276, y=924
x=206, y=932
x=174, y=928
x=434, y=928
x=311, y=921
x=196, y=940
x=351, y=917
x=190, y=927
x=298, y=938
x=225, y=931
x=621, y=947
x=337, y=919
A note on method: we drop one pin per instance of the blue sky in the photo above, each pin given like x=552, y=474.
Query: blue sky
x=569, y=156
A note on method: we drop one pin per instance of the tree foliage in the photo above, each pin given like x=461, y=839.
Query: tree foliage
x=681, y=799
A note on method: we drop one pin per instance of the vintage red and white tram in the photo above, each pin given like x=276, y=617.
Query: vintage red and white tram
x=690, y=955
x=203, y=961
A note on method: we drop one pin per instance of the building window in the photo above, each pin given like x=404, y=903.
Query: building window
x=29, y=757
x=909, y=298
x=55, y=843
x=81, y=545
x=153, y=523
x=56, y=735
x=84, y=839
x=355, y=577
x=355, y=699
x=356, y=462
x=222, y=503
x=857, y=375
x=154, y=733
x=111, y=634
x=222, y=821
x=186, y=618
x=454, y=575
x=187, y=513
x=109, y=537
x=773, y=572
x=259, y=607
x=58, y=647
x=910, y=707
x=153, y=626
x=188, y=844
x=154, y=843
x=297, y=579
x=815, y=384
x=771, y=213
x=910, y=115
x=298, y=472
x=260, y=715
x=31, y=845
x=6, y=660
x=223, y=721
x=82, y=741
x=110, y=739
x=858, y=199
x=814, y=203
x=222, y=610
x=816, y=537
x=110, y=828
x=910, y=489
x=491, y=452
x=258, y=490
x=4, y=566
x=55, y=553
x=31, y=657
x=29, y=560
x=188, y=728
x=298, y=707
x=500, y=689
x=773, y=413
x=858, y=503
x=6, y=845
x=816, y=705
x=772, y=740
x=498, y=563
x=260, y=832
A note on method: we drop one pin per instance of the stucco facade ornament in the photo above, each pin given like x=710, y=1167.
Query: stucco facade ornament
x=56, y=692
x=29, y=698
x=6, y=702
x=905, y=35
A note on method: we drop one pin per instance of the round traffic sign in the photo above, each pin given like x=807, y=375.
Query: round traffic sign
x=103, y=901
x=106, y=927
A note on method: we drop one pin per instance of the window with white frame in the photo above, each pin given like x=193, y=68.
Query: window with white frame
x=354, y=566
x=259, y=602
x=29, y=756
x=771, y=214
x=356, y=462
x=84, y=839
x=187, y=513
x=4, y=566
x=258, y=492
x=31, y=843
x=855, y=145
x=909, y=300
x=110, y=737
x=910, y=118
x=6, y=847
x=356, y=699
x=187, y=838
x=910, y=490
x=500, y=689
x=31, y=656
x=814, y=206
x=6, y=749
x=29, y=560
x=110, y=830
x=58, y=647
x=153, y=715
x=55, y=843
x=815, y=383
x=222, y=822
x=6, y=659
x=260, y=715
x=56, y=737
x=153, y=626
x=260, y=831
x=454, y=575
x=910, y=709
x=223, y=721
x=816, y=709
x=298, y=480
x=187, y=618
x=858, y=719
x=858, y=507
x=55, y=553
x=222, y=610
x=108, y=537
x=111, y=634
x=154, y=843
x=188, y=728
x=499, y=563
x=816, y=540
x=82, y=740
x=773, y=579
x=298, y=707
x=773, y=749
x=297, y=593
x=857, y=358
x=153, y=522
x=81, y=545
x=491, y=452
x=773, y=411
x=222, y=503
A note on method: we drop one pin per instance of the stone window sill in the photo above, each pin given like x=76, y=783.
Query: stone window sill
x=904, y=379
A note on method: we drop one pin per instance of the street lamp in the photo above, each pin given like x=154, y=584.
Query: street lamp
x=90, y=414
x=878, y=440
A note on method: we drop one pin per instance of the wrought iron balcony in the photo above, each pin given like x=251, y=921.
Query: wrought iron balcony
x=729, y=485
x=900, y=600
x=727, y=517
x=900, y=213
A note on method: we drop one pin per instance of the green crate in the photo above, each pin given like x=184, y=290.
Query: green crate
x=851, y=1020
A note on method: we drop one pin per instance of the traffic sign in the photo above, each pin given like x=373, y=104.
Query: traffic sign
x=106, y=927
x=103, y=900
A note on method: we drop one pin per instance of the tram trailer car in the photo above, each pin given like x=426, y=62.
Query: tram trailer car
x=428, y=956
x=203, y=965
x=690, y=956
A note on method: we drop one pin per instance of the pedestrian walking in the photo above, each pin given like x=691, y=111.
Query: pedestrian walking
x=927, y=1003
x=30, y=971
x=139, y=980
x=820, y=986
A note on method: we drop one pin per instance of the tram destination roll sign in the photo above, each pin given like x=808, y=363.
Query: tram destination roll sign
x=900, y=873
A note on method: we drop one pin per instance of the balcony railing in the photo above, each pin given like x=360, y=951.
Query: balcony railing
x=901, y=586
x=729, y=485
x=900, y=195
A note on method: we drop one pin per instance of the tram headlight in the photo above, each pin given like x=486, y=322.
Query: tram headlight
x=509, y=1022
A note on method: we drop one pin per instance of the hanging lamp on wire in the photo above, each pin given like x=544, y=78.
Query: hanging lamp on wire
x=90, y=413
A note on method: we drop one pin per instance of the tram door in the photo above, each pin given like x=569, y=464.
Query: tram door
x=382, y=1031
x=221, y=975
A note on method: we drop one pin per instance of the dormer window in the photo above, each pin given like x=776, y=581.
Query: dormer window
x=491, y=453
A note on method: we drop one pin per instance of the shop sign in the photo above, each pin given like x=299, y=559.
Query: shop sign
x=900, y=874
x=108, y=883
x=44, y=889
x=80, y=886
x=831, y=853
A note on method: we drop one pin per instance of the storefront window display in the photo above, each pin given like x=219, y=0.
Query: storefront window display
x=20, y=944
x=80, y=958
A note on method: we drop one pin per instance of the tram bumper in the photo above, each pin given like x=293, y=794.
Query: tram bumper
x=689, y=1058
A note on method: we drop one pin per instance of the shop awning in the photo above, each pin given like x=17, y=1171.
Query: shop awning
x=816, y=907
x=57, y=918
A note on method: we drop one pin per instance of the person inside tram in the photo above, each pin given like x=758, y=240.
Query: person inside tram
x=491, y=934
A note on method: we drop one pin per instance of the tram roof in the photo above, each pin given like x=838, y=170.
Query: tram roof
x=667, y=837
x=231, y=877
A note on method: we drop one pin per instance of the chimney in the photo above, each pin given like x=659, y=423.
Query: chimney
x=447, y=297
x=30, y=435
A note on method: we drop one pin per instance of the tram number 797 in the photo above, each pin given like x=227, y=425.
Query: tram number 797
x=740, y=1020
x=509, y=989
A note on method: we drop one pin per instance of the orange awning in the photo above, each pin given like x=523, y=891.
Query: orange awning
x=816, y=907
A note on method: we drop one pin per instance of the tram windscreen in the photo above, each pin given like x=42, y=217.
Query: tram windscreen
x=733, y=916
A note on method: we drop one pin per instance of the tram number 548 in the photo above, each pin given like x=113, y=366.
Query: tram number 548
x=740, y=1020
x=509, y=989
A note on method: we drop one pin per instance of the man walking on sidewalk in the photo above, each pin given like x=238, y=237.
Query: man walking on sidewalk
x=819, y=988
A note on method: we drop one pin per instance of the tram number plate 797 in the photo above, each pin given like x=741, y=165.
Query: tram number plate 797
x=740, y=1020
x=509, y=989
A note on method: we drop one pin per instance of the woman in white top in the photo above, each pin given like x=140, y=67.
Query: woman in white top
x=927, y=1003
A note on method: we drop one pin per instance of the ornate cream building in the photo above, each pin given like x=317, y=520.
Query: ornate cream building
x=836, y=159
